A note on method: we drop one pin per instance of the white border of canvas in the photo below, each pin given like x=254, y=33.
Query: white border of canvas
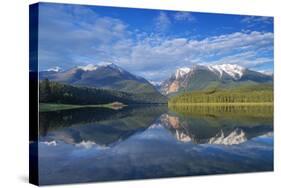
x=14, y=91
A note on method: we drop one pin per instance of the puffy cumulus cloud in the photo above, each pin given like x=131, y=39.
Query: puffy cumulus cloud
x=67, y=33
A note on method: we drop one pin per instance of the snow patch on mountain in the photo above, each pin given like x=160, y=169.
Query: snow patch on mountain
x=182, y=72
x=155, y=126
x=55, y=69
x=233, y=70
x=50, y=143
x=181, y=136
x=89, y=67
x=236, y=137
x=112, y=65
x=89, y=144
x=92, y=67
x=155, y=83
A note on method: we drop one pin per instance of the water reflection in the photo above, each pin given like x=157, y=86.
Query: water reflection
x=98, y=144
x=100, y=125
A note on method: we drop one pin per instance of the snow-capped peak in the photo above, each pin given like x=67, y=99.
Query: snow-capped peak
x=233, y=70
x=112, y=65
x=89, y=67
x=55, y=69
x=92, y=67
x=237, y=136
x=108, y=65
x=182, y=71
x=181, y=136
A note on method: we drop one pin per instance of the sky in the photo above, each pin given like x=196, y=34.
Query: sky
x=151, y=43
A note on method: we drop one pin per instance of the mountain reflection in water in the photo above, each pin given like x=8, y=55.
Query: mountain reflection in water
x=99, y=144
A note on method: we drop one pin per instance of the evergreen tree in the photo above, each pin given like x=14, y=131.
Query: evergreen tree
x=45, y=90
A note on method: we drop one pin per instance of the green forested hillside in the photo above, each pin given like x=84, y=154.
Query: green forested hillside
x=53, y=92
x=244, y=94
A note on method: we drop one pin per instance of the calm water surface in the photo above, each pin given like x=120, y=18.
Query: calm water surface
x=98, y=144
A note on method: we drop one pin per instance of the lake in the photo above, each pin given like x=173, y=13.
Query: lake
x=140, y=142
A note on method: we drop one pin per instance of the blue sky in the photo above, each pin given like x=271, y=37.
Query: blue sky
x=151, y=43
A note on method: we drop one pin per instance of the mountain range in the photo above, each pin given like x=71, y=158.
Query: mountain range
x=199, y=77
x=107, y=76
x=217, y=129
x=109, y=82
x=202, y=77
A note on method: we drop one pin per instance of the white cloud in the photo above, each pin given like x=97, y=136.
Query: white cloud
x=162, y=22
x=69, y=34
x=184, y=16
x=157, y=57
x=252, y=21
x=75, y=35
x=246, y=59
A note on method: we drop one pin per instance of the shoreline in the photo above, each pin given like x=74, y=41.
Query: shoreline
x=47, y=107
x=223, y=104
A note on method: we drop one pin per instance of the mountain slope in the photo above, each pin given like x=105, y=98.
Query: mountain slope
x=262, y=93
x=107, y=76
x=54, y=92
x=212, y=76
